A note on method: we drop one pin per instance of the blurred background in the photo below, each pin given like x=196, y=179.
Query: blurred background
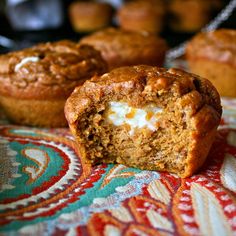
x=24, y=23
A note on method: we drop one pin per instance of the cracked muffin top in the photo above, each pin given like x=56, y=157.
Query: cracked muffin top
x=48, y=70
x=143, y=84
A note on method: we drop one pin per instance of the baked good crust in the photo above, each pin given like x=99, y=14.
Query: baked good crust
x=124, y=48
x=195, y=96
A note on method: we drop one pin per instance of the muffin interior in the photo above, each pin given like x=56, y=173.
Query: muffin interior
x=153, y=136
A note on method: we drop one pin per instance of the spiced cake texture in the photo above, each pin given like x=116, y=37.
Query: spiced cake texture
x=125, y=48
x=36, y=82
x=146, y=117
x=213, y=56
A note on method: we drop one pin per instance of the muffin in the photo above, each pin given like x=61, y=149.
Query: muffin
x=142, y=15
x=124, y=48
x=213, y=56
x=36, y=82
x=90, y=16
x=189, y=15
x=145, y=117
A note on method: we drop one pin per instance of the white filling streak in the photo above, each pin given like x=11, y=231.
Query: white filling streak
x=118, y=115
x=24, y=61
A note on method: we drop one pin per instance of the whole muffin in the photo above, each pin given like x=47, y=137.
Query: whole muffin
x=90, y=16
x=213, y=56
x=142, y=15
x=123, y=48
x=190, y=15
x=145, y=117
x=36, y=82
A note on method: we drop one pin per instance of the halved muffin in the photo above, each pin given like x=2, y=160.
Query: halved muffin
x=146, y=117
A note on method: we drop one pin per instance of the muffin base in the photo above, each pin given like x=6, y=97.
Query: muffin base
x=42, y=113
x=223, y=76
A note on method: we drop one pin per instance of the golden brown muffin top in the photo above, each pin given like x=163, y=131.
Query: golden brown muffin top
x=118, y=45
x=48, y=70
x=218, y=45
x=140, y=86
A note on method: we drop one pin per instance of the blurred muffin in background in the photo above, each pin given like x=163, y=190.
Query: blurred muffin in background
x=142, y=15
x=90, y=16
x=191, y=15
x=122, y=48
x=213, y=55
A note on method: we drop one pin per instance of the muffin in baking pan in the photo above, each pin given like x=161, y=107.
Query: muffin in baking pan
x=146, y=117
x=213, y=56
x=125, y=48
x=36, y=82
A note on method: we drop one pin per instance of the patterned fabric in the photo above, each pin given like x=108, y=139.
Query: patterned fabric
x=47, y=189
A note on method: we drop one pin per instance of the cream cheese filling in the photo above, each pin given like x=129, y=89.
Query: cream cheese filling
x=121, y=113
x=26, y=60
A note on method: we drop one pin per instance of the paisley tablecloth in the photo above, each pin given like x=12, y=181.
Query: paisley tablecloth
x=47, y=189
